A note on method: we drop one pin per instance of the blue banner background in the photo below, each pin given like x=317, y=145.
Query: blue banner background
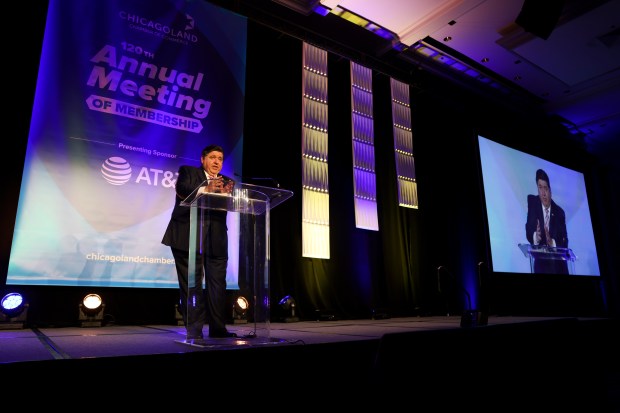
x=127, y=92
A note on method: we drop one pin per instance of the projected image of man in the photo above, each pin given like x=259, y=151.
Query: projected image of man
x=546, y=225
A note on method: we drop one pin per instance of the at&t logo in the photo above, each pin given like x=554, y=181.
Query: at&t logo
x=117, y=171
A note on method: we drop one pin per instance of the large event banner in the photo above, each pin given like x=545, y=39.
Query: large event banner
x=128, y=90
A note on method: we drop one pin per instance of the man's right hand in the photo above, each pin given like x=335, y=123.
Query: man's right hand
x=215, y=185
x=538, y=233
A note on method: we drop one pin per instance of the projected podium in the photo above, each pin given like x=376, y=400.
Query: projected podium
x=250, y=205
x=554, y=259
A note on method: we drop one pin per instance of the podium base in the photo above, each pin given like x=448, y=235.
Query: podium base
x=202, y=343
x=198, y=342
x=474, y=318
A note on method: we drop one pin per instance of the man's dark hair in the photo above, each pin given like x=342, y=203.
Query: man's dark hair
x=208, y=149
x=540, y=174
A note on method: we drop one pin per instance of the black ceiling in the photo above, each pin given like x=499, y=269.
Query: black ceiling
x=558, y=75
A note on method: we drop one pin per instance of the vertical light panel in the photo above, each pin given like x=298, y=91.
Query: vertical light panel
x=364, y=176
x=403, y=145
x=315, y=193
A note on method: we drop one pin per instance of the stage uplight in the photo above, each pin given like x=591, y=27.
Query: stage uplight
x=13, y=311
x=91, y=311
x=240, y=310
x=288, y=305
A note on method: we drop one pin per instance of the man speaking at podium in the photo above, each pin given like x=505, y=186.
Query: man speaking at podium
x=546, y=226
x=212, y=254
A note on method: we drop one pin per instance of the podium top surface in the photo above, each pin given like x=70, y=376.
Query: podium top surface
x=544, y=251
x=245, y=198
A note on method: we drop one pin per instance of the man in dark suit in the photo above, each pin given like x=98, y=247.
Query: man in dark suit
x=546, y=226
x=211, y=247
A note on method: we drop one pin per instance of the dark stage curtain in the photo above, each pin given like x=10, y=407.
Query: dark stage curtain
x=369, y=272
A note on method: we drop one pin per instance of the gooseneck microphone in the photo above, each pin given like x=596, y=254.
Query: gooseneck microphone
x=259, y=178
x=439, y=278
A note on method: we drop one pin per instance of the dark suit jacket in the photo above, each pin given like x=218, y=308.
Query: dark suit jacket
x=557, y=230
x=214, y=222
x=557, y=222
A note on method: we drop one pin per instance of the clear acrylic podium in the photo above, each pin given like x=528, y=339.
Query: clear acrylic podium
x=252, y=205
x=534, y=253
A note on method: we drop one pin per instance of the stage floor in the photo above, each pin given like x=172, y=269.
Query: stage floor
x=34, y=344
x=552, y=363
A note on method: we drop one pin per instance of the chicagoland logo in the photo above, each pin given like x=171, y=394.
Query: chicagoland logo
x=156, y=28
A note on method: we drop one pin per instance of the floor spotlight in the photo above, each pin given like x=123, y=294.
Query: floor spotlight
x=288, y=305
x=240, y=310
x=13, y=311
x=91, y=311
